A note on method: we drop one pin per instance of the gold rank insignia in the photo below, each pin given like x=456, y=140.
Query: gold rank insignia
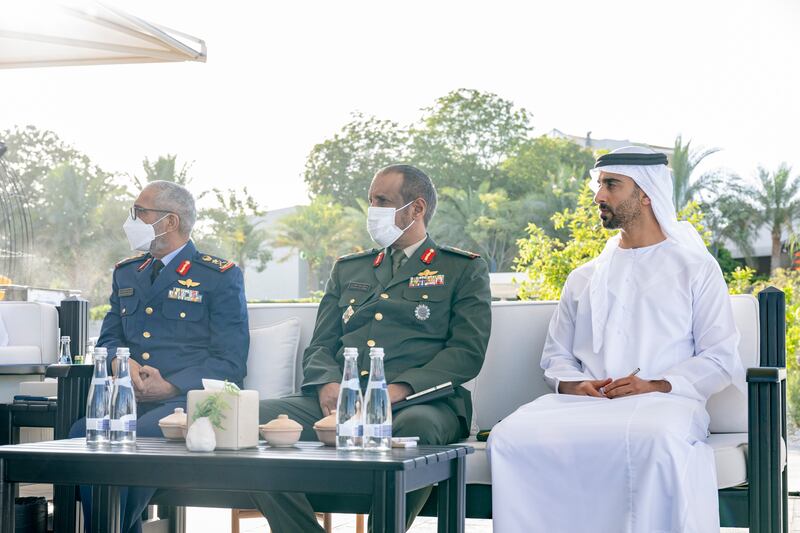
x=349, y=312
x=186, y=295
x=427, y=272
x=188, y=283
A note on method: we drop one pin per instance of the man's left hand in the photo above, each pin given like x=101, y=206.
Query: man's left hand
x=399, y=391
x=631, y=385
x=154, y=387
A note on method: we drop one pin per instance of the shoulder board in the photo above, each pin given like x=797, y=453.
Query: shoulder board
x=134, y=259
x=214, y=263
x=355, y=255
x=459, y=251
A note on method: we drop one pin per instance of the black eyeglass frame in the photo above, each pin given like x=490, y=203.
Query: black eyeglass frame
x=136, y=208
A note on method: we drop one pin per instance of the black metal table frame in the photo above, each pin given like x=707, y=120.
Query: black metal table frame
x=386, y=481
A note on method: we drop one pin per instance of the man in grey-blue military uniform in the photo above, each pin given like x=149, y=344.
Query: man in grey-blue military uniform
x=182, y=314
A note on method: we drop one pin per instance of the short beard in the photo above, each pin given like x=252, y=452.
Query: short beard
x=624, y=214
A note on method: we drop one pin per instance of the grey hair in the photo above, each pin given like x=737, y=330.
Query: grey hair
x=176, y=198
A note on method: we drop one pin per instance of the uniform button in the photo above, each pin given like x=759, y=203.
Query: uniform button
x=424, y=296
x=146, y=334
x=384, y=296
x=370, y=343
x=352, y=300
x=149, y=310
x=183, y=315
x=145, y=356
x=378, y=316
x=364, y=373
x=123, y=310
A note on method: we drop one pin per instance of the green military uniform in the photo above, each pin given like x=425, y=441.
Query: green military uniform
x=432, y=318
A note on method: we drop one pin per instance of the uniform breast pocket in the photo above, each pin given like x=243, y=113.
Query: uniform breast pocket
x=127, y=312
x=429, y=306
x=183, y=314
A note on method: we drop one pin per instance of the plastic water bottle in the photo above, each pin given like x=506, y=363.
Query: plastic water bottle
x=123, y=404
x=64, y=353
x=349, y=416
x=377, y=408
x=97, y=404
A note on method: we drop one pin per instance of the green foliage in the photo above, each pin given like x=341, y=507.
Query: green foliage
x=234, y=230
x=163, y=169
x=342, y=168
x=683, y=162
x=98, y=312
x=788, y=281
x=321, y=232
x=214, y=405
x=555, y=167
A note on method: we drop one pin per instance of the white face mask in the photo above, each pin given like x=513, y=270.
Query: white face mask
x=381, y=226
x=140, y=234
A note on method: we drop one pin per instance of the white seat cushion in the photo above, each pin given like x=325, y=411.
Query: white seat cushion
x=730, y=456
x=20, y=355
x=271, y=360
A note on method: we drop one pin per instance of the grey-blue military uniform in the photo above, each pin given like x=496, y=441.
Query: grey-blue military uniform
x=190, y=323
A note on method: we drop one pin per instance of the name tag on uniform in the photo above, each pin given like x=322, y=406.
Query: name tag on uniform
x=128, y=291
x=359, y=286
x=185, y=295
x=426, y=281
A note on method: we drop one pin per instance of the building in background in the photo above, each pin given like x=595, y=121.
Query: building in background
x=286, y=275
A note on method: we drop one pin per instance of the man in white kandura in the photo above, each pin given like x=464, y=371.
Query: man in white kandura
x=642, y=336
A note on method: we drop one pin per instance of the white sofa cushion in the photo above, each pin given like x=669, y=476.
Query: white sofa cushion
x=31, y=324
x=271, y=361
x=20, y=355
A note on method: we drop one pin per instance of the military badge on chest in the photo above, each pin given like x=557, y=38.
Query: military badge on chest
x=185, y=295
x=349, y=312
x=426, y=278
x=422, y=312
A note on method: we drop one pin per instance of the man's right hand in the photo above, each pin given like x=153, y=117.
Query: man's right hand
x=590, y=387
x=328, y=396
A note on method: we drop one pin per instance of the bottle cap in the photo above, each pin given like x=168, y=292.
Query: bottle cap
x=376, y=351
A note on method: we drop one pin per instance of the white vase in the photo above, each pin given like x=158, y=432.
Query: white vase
x=200, y=437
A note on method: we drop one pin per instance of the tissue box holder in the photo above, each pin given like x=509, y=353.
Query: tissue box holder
x=240, y=422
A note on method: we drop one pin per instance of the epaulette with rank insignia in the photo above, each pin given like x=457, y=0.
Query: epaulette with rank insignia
x=354, y=255
x=133, y=259
x=459, y=251
x=214, y=263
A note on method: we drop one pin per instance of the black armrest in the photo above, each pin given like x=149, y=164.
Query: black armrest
x=22, y=370
x=766, y=374
x=766, y=388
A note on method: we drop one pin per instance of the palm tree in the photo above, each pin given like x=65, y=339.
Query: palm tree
x=776, y=204
x=684, y=162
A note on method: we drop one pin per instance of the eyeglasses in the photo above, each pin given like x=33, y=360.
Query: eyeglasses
x=136, y=209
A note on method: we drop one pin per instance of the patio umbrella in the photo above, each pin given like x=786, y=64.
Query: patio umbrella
x=45, y=34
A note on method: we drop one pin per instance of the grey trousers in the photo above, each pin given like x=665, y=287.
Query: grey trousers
x=287, y=512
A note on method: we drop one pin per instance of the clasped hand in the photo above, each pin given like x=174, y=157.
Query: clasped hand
x=148, y=384
x=329, y=395
x=616, y=388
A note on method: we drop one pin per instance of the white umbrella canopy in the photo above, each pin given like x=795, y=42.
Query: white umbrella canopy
x=37, y=33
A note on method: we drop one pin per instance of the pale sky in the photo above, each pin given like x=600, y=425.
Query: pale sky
x=283, y=76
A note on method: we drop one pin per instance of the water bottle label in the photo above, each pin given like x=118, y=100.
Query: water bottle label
x=378, y=430
x=351, y=384
x=124, y=382
x=129, y=425
x=99, y=381
x=97, y=424
x=349, y=430
x=376, y=385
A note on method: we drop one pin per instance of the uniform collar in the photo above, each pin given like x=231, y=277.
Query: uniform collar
x=409, y=250
x=170, y=256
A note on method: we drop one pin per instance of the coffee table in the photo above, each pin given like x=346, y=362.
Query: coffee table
x=307, y=467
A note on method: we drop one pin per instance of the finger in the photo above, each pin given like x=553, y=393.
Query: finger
x=617, y=383
x=150, y=370
x=625, y=390
x=591, y=391
x=137, y=380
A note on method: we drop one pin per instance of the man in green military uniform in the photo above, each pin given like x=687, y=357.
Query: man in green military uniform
x=426, y=305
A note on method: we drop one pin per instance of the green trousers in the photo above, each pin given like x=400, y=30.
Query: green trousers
x=291, y=512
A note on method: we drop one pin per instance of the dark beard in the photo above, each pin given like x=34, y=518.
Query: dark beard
x=626, y=212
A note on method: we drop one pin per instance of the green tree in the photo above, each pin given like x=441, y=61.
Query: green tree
x=774, y=202
x=466, y=134
x=542, y=164
x=342, y=167
x=321, y=232
x=684, y=162
x=165, y=169
x=234, y=229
